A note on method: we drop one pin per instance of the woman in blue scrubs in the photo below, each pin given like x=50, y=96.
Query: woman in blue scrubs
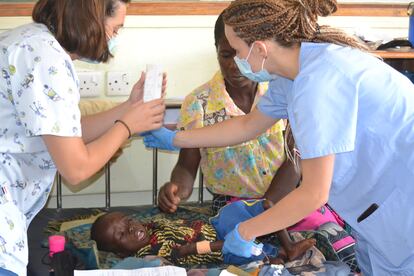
x=352, y=117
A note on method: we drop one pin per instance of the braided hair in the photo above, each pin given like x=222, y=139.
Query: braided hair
x=286, y=22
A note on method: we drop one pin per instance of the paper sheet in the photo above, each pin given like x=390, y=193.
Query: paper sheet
x=149, y=271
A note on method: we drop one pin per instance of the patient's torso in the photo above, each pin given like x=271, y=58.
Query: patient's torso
x=168, y=234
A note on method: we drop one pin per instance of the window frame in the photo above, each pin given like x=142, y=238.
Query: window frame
x=215, y=7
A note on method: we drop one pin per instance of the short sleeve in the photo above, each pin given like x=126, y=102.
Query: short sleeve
x=45, y=92
x=274, y=103
x=323, y=113
x=191, y=113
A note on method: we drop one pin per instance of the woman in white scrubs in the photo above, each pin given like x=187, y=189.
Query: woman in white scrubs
x=41, y=129
x=352, y=117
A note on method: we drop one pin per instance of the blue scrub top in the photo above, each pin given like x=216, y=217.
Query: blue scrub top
x=352, y=104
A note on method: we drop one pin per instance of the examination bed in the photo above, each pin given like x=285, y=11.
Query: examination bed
x=37, y=234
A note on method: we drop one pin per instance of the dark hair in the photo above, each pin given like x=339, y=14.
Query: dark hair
x=99, y=236
x=286, y=22
x=218, y=30
x=78, y=25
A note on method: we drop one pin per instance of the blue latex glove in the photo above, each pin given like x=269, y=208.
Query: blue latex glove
x=161, y=138
x=236, y=245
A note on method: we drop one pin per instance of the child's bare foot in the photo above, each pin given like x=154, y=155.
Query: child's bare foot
x=297, y=249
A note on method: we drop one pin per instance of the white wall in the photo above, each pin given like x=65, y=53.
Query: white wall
x=185, y=46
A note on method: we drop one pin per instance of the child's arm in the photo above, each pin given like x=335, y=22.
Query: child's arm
x=191, y=248
x=289, y=251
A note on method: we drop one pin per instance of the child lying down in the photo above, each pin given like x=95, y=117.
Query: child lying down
x=185, y=242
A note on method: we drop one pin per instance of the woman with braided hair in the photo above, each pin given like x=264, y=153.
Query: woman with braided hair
x=352, y=117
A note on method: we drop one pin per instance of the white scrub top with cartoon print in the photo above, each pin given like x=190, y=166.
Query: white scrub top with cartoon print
x=38, y=96
x=353, y=105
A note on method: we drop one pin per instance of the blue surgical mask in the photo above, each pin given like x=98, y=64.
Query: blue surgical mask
x=112, y=44
x=88, y=60
x=246, y=69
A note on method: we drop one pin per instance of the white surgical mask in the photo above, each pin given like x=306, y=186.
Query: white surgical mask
x=246, y=69
x=112, y=45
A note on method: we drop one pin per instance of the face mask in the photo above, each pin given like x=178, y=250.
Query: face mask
x=112, y=44
x=246, y=70
x=88, y=60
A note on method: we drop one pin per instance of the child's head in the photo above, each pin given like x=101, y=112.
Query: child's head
x=116, y=232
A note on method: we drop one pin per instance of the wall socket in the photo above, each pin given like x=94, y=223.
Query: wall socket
x=91, y=83
x=119, y=83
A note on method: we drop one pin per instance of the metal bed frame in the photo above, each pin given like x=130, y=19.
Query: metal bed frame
x=107, y=173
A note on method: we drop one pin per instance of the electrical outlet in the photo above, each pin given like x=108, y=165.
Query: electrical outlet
x=118, y=83
x=91, y=83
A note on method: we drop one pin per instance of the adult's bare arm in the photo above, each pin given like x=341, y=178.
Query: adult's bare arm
x=285, y=180
x=181, y=182
x=229, y=132
x=185, y=171
x=93, y=126
x=76, y=161
x=311, y=194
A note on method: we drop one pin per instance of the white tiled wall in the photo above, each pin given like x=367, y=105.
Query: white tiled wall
x=185, y=46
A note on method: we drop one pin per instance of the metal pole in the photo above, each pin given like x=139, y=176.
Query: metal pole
x=154, y=176
x=200, y=187
x=108, y=185
x=59, y=191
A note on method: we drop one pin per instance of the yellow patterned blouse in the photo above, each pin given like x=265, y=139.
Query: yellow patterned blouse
x=244, y=170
